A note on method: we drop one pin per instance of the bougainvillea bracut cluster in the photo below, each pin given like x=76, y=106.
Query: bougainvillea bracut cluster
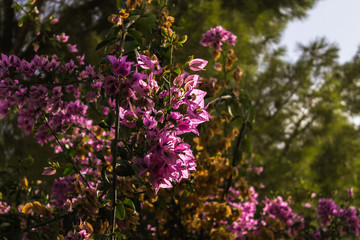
x=143, y=147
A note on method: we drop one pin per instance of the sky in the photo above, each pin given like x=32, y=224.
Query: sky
x=337, y=20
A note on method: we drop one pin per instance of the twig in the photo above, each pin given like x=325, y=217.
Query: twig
x=116, y=140
x=235, y=154
x=47, y=222
x=220, y=98
x=67, y=157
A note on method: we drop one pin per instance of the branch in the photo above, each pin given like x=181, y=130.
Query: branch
x=47, y=222
x=235, y=154
x=219, y=98
x=116, y=140
x=67, y=157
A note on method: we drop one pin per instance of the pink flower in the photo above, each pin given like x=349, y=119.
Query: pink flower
x=49, y=171
x=54, y=21
x=62, y=38
x=215, y=37
x=72, y=48
x=120, y=66
x=307, y=205
x=198, y=64
x=146, y=63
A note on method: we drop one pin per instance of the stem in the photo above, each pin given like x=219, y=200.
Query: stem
x=224, y=68
x=171, y=57
x=47, y=222
x=116, y=140
x=114, y=190
x=67, y=157
x=219, y=98
x=235, y=154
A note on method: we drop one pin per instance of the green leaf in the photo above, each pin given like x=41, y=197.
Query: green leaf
x=104, y=43
x=68, y=169
x=177, y=71
x=17, y=7
x=4, y=225
x=110, y=119
x=72, y=153
x=103, y=124
x=47, y=27
x=120, y=211
x=104, y=174
x=129, y=204
x=144, y=25
x=136, y=36
x=130, y=46
x=118, y=4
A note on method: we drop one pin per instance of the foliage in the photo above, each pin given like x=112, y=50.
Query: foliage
x=128, y=133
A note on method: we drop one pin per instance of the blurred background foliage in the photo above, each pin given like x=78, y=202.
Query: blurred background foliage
x=302, y=136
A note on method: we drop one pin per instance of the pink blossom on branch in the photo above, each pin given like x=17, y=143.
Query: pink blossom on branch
x=215, y=38
x=197, y=64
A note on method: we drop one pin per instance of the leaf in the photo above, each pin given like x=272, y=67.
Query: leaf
x=130, y=204
x=120, y=211
x=100, y=155
x=4, y=225
x=144, y=25
x=124, y=169
x=104, y=174
x=136, y=36
x=177, y=71
x=130, y=46
x=104, y=43
x=72, y=153
x=118, y=4
x=17, y=7
x=68, y=169
x=110, y=119
x=103, y=125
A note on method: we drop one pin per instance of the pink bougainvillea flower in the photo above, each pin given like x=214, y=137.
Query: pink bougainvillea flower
x=72, y=48
x=198, y=64
x=147, y=63
x=215, y=37
x=54, y=21
x=62, y=38
x=120, y=66
x=49, y=171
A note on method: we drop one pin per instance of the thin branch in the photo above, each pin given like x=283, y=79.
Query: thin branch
x=67, y=157
x=47, y=222
x=235, y=154
x=116, y=140
x=220, y=98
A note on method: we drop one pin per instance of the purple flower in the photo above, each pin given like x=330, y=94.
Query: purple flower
x=4, y=207
x=215, y=37
x=120, y=66
x=146, y=63
x=197, y=64
x=62, y=38
x=72, y=48
x=327, y=209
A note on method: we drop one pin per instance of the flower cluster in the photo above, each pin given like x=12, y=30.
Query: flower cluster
x=63, y=190
x=4, y=207
x=327, y=209
x=246, y=221
x=215, y=38
x=279, y=209
x=161, y=116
